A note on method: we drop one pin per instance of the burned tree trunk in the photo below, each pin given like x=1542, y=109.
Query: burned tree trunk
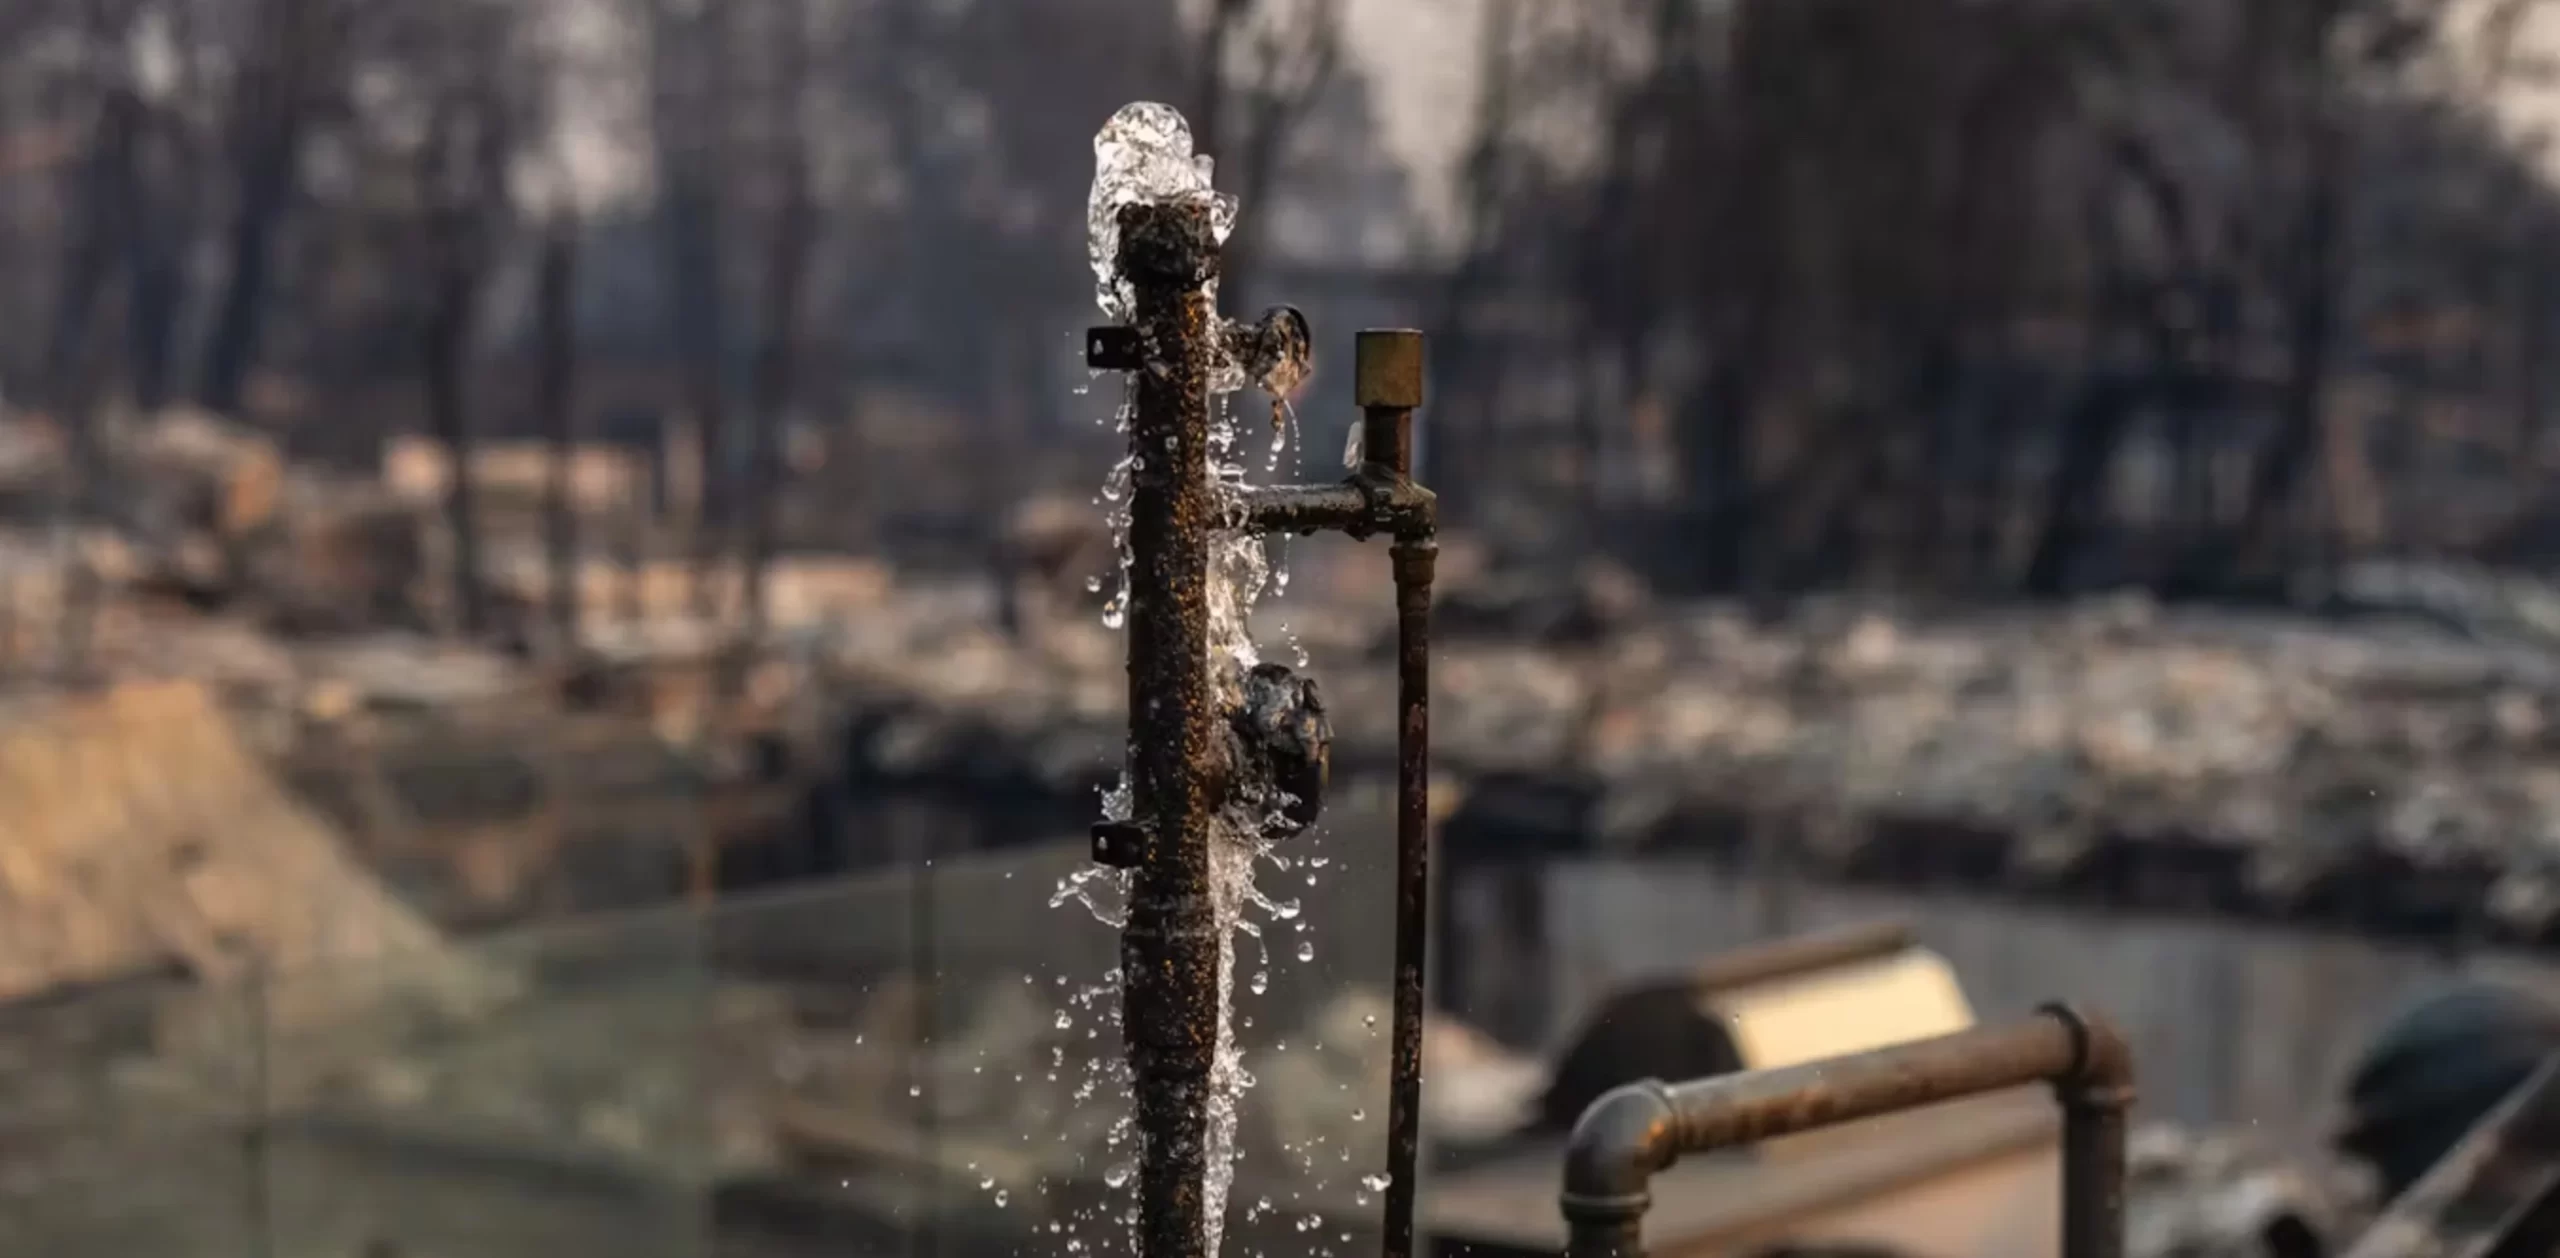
x=83, y=417
x=78, y=363
x=445, y=350
x=690, y=57
x=462, y=175
x=269, y=120
x=156, y=290
x=1247, y=121
x=557, y=315
x=101, y=228
x=2091, y=432
x=787, y=264
x=1464, y=359
x=2312, y=293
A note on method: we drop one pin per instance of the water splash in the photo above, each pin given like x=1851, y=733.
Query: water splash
x=1144, y=155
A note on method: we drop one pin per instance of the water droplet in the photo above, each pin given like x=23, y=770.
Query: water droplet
x=1118, y=1175
x=1369, y=1020
x=1261, y=981
x=1375, y=1183
x=1093, y=585
x=914, y=1090
x=1064, y=1021
x=988, y=1182
x=1359, y=1115
x=1306, y=950
x=1001, y=1197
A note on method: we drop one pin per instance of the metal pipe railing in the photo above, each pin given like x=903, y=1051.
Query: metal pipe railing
x=1637, y=1131
x=1179, y=764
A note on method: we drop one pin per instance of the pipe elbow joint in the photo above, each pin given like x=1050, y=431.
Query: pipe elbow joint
x=2102, y=1069
x=1420, y=519
x=1618, y=1145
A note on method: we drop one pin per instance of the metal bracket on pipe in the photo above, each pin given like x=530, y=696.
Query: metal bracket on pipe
x=1119, y=844
x=1112, y=349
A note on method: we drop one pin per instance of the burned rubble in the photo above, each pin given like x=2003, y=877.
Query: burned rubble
x=2379, y=771
x=2223, y=1194
x=2162, y=757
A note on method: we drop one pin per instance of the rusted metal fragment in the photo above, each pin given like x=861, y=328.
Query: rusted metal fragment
x=2494, y=1194
x=1283, y=750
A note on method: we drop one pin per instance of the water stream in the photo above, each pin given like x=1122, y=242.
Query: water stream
x=1144, y=155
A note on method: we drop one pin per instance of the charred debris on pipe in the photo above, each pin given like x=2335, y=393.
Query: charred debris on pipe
x=1186, y=761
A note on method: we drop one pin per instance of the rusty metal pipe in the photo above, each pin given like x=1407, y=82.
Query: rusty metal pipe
x=1637, y=1131
x=1388, y=376
x=1414, y=561
x=2097, y=1099
x=1364, y=506
x=1178, y=772
x=1169, y=950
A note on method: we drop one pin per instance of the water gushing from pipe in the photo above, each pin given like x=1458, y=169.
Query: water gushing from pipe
x=1143, y=157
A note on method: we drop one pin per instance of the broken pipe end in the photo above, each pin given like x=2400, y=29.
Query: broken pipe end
x=1167, y=243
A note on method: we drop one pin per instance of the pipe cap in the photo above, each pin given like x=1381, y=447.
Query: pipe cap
x=1388, y=365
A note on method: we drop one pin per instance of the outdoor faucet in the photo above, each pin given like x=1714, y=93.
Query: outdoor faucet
x=1186, y=759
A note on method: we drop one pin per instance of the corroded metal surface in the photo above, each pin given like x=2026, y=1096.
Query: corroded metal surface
x=1388, y=368
x=1360, y=507
x=1413, y=560
x=1632, y=1134
x=1169, y=952
x=1279, y=742
x=1283, y=749
x=1277, y=351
